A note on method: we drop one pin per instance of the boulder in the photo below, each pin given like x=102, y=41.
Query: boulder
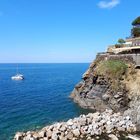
x=112, y=137
x=18, y=136
x=76, y=132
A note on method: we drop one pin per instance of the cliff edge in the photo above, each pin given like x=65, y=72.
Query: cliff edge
x=111, y=82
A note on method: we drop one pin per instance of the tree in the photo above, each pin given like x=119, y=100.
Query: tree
x=136, y=21
x=118, y=45
x=136, y=29
x=135, y=32
x=121, y=41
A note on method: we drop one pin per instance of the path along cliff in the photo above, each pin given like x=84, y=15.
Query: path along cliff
x=111, y=82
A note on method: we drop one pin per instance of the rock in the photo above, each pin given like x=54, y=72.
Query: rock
x=32, y=138
x=79, y=84
x=36, y=135
x=112, y=137
x=127, y=117
x=76, y=132
x=82, y=121
x=121, y=129
x=41, y=133
x=62, y=128
x=70, y=135
x=97, y=137
x=106, y=97
x=51, y=127
x=54, y=136
x=49, y=134
x=18, y=136
x=70, y=122
x=28, y=137
x=74, y=126
x=86, y=74
x=45, y=138
x=90, y=125
x=89, y=138
x=58, y=125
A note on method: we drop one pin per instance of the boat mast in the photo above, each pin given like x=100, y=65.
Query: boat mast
x=17, y=68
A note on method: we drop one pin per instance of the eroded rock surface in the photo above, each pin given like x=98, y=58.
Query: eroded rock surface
x=96, y=91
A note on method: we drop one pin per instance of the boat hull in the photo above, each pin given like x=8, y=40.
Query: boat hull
x=17, y=77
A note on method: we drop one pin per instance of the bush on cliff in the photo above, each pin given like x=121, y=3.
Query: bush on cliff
x=136, y=32
x=112, y=68
x=121, y=41
x=136, y=29
x=136, y=21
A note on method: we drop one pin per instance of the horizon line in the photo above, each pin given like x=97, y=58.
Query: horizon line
x=42, y=62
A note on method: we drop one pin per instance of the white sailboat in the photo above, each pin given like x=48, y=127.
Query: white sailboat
x=18, y=76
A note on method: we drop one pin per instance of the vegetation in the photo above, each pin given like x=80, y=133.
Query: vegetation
x=135, y=32
x=136, y=21
x=121, y=41
x=118, y=45
x=112, y=68
x=136, y=29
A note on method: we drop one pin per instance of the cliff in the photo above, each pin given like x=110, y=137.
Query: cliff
x=111, y=82
x=111, y=86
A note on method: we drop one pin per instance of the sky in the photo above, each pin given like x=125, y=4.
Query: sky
x=62, y=31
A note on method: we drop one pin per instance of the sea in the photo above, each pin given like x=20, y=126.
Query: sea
x=41, y=99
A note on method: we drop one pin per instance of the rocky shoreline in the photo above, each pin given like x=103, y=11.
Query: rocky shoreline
x=110, y=86
x=84, y=127
x=106, y=85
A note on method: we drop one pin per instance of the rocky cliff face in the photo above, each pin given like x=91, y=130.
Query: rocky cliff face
x=100, y=90
x=111, y=86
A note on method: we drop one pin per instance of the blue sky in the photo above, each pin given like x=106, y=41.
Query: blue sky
x=62, y=31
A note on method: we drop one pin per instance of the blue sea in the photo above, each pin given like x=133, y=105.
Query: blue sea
x=41, y=99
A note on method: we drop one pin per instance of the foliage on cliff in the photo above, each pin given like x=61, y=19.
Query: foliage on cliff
x=112, y=68
x=136, y=32
x=121, y=41
x=136, y=29
x=136, y=21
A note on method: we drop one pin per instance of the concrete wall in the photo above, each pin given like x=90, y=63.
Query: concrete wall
x=134, y=58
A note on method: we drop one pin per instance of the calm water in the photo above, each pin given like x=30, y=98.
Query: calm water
x=41, y=99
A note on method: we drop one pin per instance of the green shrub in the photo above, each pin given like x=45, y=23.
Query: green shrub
x=112, y=68
x=135, y=32
x=118, y=45
x=121, y=41
x=136, y=21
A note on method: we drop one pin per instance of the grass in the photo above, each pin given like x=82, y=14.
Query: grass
x=112, y=69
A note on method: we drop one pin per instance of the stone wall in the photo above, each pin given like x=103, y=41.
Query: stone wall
x=134, y=58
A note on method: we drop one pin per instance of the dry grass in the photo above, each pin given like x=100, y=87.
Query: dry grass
x=133, y=84
x=113, y=69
